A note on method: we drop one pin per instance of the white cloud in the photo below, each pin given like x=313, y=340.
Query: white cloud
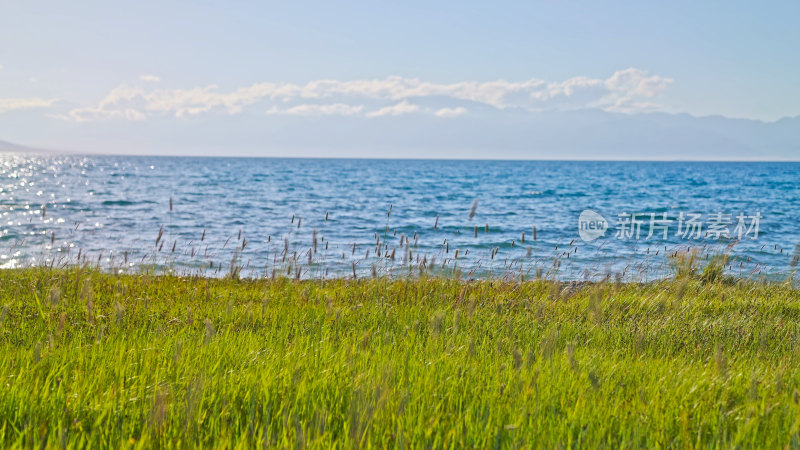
x=11, y=104
x=150, y=78
x=451, y=112
x=1, y=67
x=331, y=109
x=636, y=82
x=628, y=90
x=117, y=104
x=394, y=110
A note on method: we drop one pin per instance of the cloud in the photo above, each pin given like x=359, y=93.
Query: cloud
x=150, y=78
x=628, y=90
x=117, y=104
x=11, y=104
x=451, y=112
x=137, y=103
x=637, y=82
x=395, y=110
x=331, y=109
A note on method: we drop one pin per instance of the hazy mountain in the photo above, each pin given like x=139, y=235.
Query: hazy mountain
x=10, y=147
x=6, y=146
x=482, y=132
x=585, y=134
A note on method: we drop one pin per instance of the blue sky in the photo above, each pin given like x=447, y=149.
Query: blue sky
x=87, y=75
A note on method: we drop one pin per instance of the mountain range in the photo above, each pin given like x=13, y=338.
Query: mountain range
x=483, y=132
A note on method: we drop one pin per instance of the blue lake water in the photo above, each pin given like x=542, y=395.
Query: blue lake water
x=110, y=209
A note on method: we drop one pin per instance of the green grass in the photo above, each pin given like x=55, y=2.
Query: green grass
x=92, y=359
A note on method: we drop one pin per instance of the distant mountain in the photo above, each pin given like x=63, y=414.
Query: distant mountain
x=6, y=146
x=9, y=147
x=479, y=132
x=487, y=132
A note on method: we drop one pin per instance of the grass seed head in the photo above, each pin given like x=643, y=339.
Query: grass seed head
x=209, y=331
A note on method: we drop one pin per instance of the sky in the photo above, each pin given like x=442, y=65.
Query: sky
x=260, y=78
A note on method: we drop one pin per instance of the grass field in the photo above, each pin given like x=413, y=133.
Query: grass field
x=92, y=359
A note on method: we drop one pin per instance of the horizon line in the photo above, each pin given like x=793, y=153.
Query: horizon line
x=29, y=151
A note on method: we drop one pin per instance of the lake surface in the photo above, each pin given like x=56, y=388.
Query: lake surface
x=256, y=216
